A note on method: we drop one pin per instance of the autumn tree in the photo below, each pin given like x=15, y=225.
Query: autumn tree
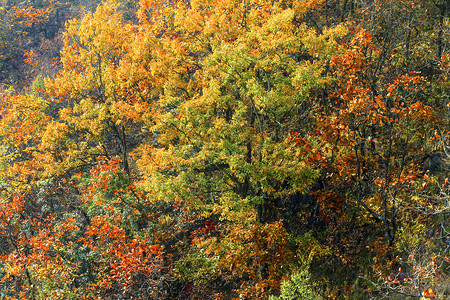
x=380, y=125
x=42, y=156
x=172, y=156
x=219, y=104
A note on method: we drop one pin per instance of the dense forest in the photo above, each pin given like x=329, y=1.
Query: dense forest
x=224, y=149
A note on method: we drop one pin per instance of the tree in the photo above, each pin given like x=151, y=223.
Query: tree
x=174, y=157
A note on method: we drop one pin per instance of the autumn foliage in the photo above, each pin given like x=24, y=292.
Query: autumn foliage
x=228, y=150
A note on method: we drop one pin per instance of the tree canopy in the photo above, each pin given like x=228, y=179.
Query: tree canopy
x=227, y=149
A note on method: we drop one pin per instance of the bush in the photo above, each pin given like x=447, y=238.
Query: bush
x=298, y=287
